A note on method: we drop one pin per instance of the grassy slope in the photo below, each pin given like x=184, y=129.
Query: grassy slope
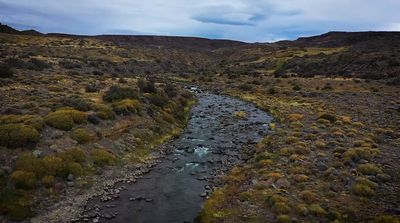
x=311, y=168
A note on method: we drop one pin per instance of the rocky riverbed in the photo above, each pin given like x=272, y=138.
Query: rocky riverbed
x=175, y=189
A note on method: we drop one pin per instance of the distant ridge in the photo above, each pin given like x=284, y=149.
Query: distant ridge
x=7, y=29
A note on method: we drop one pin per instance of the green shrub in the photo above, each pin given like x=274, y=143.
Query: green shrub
x=369, y=169
x=48, y=181
x=32, y=120
x=364, y=190
x=116, y=93
x=81, y=135
x=75, y=154
x=73, y=168
x=65, y=119
x=15, y=135
x=316, y=209
x=127, y=106
x=157, y=99
x=23, y=179
x=283, y=219
x=52, y=165
x=28, y=162
x=329, y=117
x=77, y=103
x=104, y=112
x=102, y=157
x=281, y=208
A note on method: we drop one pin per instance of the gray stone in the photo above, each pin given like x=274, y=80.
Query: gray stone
x=37, y=153
x=70, y=177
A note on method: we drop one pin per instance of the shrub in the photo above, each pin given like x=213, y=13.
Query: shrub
x=75, y=154
x=23, y=179
x=369, y=169
x=316, y=209
x=356, y=154
x=281, y=208
x=116, y=93
x=104, y=112
x=48, y=181
x=102, y=157
x=77, y=102
x=127, y=106
x=158, y=99
x=308, y=196
x=65, y=119
x=320, y=144
x=15, y=135
x=37, y=64
x=81, y=135
x=295, y=117
x=146, y=86
x=32, y=120
x=5, y=71
x=272, y=90
x=73, y=168
x=170, y=90
x=329, y=117
x=283, y=219
x=363, y=190
x=52, y=165
x=28, y=162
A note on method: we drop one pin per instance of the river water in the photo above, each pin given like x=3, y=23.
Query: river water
x=175, y=189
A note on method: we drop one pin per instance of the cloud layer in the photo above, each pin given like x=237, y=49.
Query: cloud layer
x=246, y=20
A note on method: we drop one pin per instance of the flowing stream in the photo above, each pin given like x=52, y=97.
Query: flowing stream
x=175, y=189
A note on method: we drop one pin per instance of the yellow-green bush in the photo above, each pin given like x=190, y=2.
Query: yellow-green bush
x=23, y=179
x=52, y=165
x=31, y=120
x=281, y=208
x=28, y=162
x=104, y=112
x=127, y=106
x=15, y=135
x=356, y=154
x=316, y=209
x=102, y=157
x=362, y=189
x=308, y=196
x=48, y=181
x=369, y=169
x=81, y=135
x=74, y=168
x=75, y=154
x=283, y=218
x=65, y=119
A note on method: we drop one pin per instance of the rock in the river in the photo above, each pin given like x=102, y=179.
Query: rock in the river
x=190, y=150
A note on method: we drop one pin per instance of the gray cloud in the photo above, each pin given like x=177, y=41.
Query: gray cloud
x=246, y=20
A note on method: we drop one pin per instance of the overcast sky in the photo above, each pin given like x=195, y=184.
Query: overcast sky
x=245, y=20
